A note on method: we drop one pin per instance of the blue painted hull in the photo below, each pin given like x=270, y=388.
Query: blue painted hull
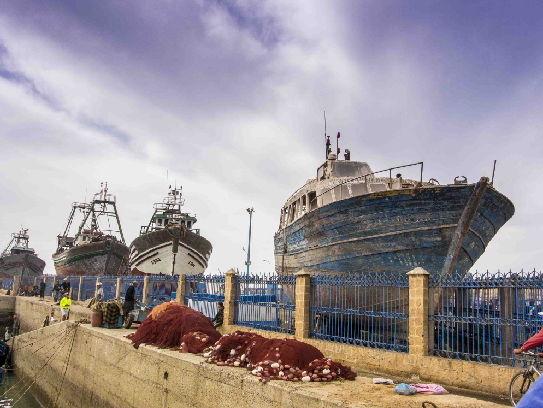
x=391, y=232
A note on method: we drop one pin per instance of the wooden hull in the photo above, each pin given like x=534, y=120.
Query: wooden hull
x=21, y=265
x=151, y=254
x=94, y=258
x=390, y=232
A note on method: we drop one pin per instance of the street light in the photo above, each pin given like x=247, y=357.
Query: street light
x=248, y=263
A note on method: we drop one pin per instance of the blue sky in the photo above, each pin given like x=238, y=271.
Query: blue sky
x=227, y=96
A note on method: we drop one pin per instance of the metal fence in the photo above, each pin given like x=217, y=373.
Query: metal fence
x=49, y=279
x=203, y=292
x=128, y=280
x=265, y=302
x=109, y=286
x=483, y=317
x=74, y=285
x=7, y=283
x=370, y=310
x=161, y=289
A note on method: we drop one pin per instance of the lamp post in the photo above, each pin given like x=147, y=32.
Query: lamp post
x=248, y=263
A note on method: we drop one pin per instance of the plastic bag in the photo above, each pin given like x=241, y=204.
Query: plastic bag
x=405, y=389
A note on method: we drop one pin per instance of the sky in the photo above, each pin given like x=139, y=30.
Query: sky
x=226, y=99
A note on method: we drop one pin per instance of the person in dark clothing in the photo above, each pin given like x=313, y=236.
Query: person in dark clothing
x=217, y=320
x=129, y=299
x=16, y=325
x=42, y=290
x=66, y=286
x=56, y=291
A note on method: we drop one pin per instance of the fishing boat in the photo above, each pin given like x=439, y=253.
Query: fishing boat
x=98, y=247
x=351, y=219
x=18, y=259
x=169, y=244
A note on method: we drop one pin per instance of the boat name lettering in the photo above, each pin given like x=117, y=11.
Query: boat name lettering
x=156, y=260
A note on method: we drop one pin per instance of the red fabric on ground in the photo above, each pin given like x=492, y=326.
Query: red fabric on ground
x=171, y=325
x=535, y=341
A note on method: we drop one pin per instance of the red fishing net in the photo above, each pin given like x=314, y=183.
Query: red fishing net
x=169, y=323
x=175, y=326
x=276, y=359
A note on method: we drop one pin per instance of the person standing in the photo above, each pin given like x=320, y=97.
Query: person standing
x=66, y=286
x=65, y=304
x=99, y=292
x=56, y=291
x=7, y=335
x=16, y=325
x=129, y=299
x=42, y=290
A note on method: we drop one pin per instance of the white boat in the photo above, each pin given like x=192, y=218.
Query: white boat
x=169, y=244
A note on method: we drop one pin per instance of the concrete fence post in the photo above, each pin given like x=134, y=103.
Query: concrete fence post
x=145, y=298
x=418, y=312
x=180, y=294
x=35, y=281
x=80, y=288
x=229, y=297
x=71, y=293
x=302, y=299
x=118, y=288
x=506, y=314
x=16, y=284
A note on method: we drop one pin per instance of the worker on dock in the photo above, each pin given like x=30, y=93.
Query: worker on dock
x=535, y=341
x=217, y=320
x=42, y=290
x=99, y=292
x=129, y=299
x=16, y=325
x=56, y=291
x=65, y=304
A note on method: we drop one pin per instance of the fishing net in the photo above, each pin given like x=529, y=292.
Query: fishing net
x=169, y=323
x=175, y=326
x=276, y=359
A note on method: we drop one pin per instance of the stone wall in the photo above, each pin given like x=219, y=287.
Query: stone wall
x=105, y=370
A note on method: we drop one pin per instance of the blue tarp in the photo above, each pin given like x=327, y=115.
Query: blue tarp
x=534, y=396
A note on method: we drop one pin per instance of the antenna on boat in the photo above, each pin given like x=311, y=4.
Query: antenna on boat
x=326, y=138
x=493, y=170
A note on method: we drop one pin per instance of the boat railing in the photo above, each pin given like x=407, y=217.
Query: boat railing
x=372, y=173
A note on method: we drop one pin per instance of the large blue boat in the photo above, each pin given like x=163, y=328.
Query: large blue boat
x=350, y=219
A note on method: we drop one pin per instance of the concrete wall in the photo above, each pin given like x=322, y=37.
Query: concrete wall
x=105, y=370
x=480, y=377
x=32, y=311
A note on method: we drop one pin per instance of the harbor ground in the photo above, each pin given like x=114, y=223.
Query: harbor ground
x=103, y=366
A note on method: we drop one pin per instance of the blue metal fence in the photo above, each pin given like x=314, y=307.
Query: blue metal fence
x=370, y=310
x=203, y=292
x=109, y=286
x=265, y=302
x=483, y=317
x=161, y=289
x=128, y=280
x=7, y=283
x=74, y=285
x=49, y=279
x=88, y=287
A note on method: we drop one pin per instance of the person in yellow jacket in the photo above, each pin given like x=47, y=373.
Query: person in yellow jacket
x=65, y=304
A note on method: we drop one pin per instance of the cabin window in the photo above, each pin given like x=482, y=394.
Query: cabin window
x=304, y=204
x=312, y=198
x=189, y=224
x=320, y=172
x=183, y=222
x=159, y=221
x=165, y=222
x=293, y=211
